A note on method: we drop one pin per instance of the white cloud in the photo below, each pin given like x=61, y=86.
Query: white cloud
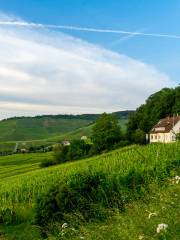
x=50, y=72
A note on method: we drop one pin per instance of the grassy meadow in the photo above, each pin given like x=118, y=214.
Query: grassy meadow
x=136, y=177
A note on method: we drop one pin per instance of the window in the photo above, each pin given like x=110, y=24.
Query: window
x=151, y=136
x=173, y=138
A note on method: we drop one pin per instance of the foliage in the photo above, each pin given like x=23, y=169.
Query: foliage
x=47, y=163
x=139, y=136
x=106, y=132
x=159, y=105
x=85, y=193
x=76, y=150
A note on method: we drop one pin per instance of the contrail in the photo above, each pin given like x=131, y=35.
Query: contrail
x=86, y=29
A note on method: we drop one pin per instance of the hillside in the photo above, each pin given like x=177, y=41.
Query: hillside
x=141, y=178
x=43, y=127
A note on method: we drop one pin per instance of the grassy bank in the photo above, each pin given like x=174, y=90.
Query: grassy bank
x=131, y=173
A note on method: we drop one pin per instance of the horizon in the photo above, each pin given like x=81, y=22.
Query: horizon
x=61, y=114
x=76, y=57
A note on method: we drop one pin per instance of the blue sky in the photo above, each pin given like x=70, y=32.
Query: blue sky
x=159, y=17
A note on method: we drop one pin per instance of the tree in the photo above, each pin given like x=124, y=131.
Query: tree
x=78, y=149
x=159, y=105
x=105, y=133
x=139, y=136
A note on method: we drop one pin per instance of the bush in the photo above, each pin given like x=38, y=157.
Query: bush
x=92, y=195
x=60, y=153
x=47, y=163
x=77, y=150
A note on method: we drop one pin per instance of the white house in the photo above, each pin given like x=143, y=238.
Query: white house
x=165, y=130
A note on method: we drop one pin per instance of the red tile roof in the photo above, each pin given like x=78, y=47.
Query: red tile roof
x=165, y=125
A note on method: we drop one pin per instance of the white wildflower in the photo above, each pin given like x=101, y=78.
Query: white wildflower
x=152, y=215
x=141, y=237
x=175, y=180
x=161, y=227
x=82, y=238
x=65, y=225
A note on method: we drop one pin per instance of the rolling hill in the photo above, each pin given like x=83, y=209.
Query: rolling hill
x=47, y=126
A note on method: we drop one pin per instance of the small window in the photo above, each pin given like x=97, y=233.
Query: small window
x=173, y=138
x=151, y=136
x=155, y=136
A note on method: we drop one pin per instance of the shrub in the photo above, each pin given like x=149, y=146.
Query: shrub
x=47, y=163
x=92, y=195
x=77, y=150
x=60, y=153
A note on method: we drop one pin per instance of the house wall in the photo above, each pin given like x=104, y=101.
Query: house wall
x=176, y=128
x=162, y=137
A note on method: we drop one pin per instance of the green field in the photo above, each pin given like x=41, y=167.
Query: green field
x=22, y=182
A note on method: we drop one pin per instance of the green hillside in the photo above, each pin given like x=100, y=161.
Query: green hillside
x=141, y=178
x=49, y=126
x=37, y=128
x=9, y=146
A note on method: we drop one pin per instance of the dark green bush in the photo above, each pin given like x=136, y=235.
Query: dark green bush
x=47, y=163
x=85, y=193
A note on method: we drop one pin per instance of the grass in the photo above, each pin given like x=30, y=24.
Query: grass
x=17, y=164
x=135, y=223
x=156, y=163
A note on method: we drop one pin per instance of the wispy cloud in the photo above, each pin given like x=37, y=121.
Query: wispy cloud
x=45, y=71
x=86, y=29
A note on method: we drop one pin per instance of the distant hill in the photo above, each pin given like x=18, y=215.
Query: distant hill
x=47, y=126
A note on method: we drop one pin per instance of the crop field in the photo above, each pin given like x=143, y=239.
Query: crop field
x=22, y=182
x=16, y=164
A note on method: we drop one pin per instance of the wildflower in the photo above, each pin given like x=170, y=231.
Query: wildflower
x=65, y=225
x=175, y=180
x=152, y=215
x=141, y=237
x=161, y=227
x=82, y=238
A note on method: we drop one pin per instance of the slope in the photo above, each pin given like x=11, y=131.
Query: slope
x=48, y=126
x=138, y=171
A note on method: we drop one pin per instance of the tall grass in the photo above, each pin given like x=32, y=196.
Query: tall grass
x=129, y=167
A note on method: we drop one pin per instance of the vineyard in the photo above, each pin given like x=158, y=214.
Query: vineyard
x=23, y=182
